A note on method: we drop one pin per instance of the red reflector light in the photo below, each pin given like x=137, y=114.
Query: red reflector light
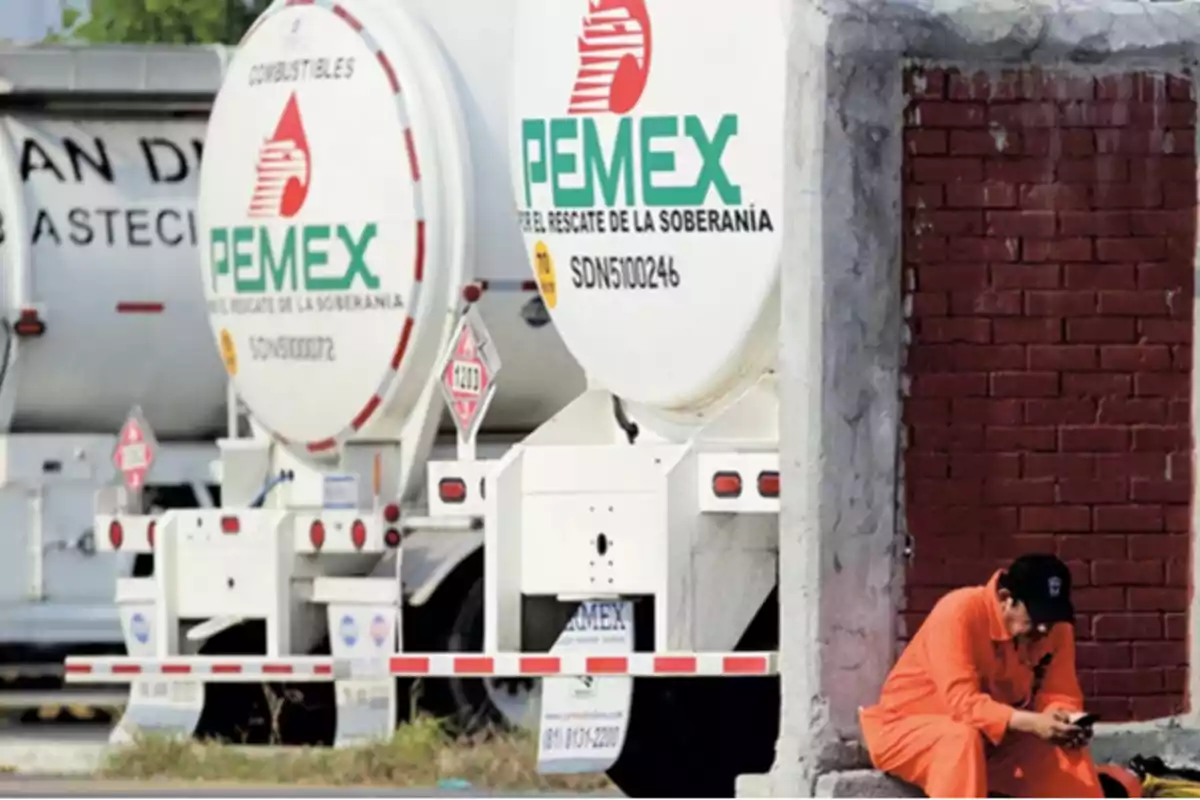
x=391, y=513
x=768, y=484
x=452, y=490
x=392, y=537
x=116, y=534
x=358, y=534
x=230, y=525
x=316, y=534
x=150, y=532
x=727, y=484
x=29, y=324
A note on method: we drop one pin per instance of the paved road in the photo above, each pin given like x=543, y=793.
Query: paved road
x=44, y=786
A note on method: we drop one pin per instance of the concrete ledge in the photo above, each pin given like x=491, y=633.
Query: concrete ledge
x=863, y=783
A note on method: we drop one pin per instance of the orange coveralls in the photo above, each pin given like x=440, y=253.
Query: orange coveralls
x=942, y=718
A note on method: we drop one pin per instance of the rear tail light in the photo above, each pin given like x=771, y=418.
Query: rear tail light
x=391, y=513
x=230, y=525
x=150, y=532
x=358, y=534
x=316, y=534
x=768, y=484
x=116, y=534
x=452, y=490
x=392, y=537
x=29, y=324
x=727, y=484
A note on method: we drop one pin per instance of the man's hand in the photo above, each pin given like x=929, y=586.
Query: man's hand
x=1085, y=732
x=1049, y=726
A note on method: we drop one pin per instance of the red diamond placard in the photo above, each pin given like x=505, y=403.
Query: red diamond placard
x=469, y=371
x=135, y=451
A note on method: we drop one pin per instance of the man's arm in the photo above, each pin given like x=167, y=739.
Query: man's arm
x=1060, y=685
x=950, y=631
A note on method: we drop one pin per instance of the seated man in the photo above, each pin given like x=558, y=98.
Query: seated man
x=982, y=699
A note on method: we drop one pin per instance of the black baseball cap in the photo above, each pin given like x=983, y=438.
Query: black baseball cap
x=1043, y=583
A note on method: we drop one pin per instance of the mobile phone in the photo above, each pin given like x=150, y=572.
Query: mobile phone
x=1086, y=721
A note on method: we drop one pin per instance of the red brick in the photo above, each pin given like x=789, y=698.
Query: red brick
x=1129, y=465
x=1027, y=330
x=944, y=492
x=1159, y=654
x=1127, y=627
x=1063, y=356
x=1058, y=303
x=1128, y=141
x=1163, y=169
x=934, y=169
x=950, y=438
x=1178, y=195
x=1179, y=88
x=927, y=195
x=1092, y=223
x=1058, y=465
x=1161, y=438
x=1128, y=682
x=1007, y=439
x=1127, y=195
x=1175, y=625
x=1149, y=490
x=923, y=142
x=930, y=357
x=989, y=357
x=1074, y=411
x=1093, y=545
x=977, y=249
x=990, y=194
x=940, y=222
x=1019, y=170
x=1116, y=410
x=1005, y=548
x=1127, y=573
x=1169, y=222
x=1092, y=439
x=925, y=83
x=934, y=114
x=1093, y=170
x=1054, y=196
x=1131, y=249
x=1133, y=303
x=1056, y=518
x=1179, y=411
x=954, y=329
x=1101, y=330
x=1153, y=546
x=1014, y=492
x=952, y=277
x=930, y=304
x=1111, y=709
x=1135, y=358
x=987, y=303
x=982, y=143
x=1181, y=357
x=1135, y=86
x=1090, y=655
x=986, y=411
x=926, y=465
x=1074, y=490
x=1166, y=331
x=1160, y=598
x=1024, y=384
x=1023, y=115
x=925, y=249
x=1022, y=223
x=1128, y=518
x=1077, y=249
x=956, y=520
x=1179, y=573
x=963, y=384
x=985, y=465
x=1177, y=518
x=1100, y=276
x=1026, y=276
x=1091, y=385
x=1155, y=707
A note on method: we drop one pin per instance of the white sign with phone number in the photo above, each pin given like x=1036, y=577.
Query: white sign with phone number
x=584, y=720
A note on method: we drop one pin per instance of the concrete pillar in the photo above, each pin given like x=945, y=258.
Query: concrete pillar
x=840, y=394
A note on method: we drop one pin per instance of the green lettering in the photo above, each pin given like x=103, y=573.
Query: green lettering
x=245, y=277
x=285, y=266
x=611, y=173
x=357, y=250
x=565, y=130
x=712, y=173
x=218, y=253
x=656, y=161
x=311, y=235
x=533, y=132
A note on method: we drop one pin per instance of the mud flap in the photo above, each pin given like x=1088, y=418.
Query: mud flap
x=585, y=720
x=365, y=636
x=159, y=707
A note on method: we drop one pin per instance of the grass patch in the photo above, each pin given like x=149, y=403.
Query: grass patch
x=420, y=754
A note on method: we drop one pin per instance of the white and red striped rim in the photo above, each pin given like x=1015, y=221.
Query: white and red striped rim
x=405, y=335
x=537, y=665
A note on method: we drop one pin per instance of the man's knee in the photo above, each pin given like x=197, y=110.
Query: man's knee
x=960, y=741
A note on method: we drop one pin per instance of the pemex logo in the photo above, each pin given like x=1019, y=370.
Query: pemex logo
x=271, y=257
x=284, y=168
x=614, y=57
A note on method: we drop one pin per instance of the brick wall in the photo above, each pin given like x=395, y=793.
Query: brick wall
x=1049, y=249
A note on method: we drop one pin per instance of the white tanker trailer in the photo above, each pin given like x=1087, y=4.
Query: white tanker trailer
x=99, y=165
x=631, y=540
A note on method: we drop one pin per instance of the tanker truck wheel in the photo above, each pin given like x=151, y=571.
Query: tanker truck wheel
x=692, y=737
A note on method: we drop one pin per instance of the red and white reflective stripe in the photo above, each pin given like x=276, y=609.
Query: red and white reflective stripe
x=648, y=665
x=404, y=336
x=104, y=669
